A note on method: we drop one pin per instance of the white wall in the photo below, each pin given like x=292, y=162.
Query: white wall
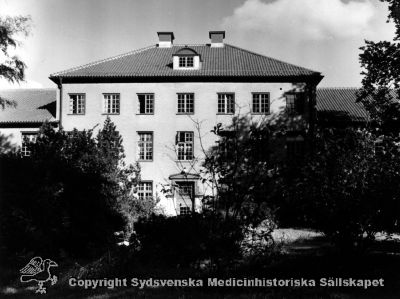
x=14, y=135
x=165, y=122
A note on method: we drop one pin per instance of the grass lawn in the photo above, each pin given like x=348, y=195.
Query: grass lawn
x=305, y=254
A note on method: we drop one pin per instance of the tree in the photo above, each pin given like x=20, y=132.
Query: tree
x=11, y=67
x=73, y=193
x=244, y=165
x=245, y=169
x=348, y=188
x=381, y=82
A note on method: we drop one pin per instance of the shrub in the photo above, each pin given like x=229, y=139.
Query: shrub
x=348, y=188
x=187, y=240
x=72, y=194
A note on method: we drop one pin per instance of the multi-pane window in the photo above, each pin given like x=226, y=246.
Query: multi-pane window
x=185, y=103
x=294, y=146
x=111, y=103
x=145, y=146
x=260, y=103
x=226, y=103
x=27, y=138
x=77, y=103
x=146, y=103
x=145, y=190
x=295, y=103
x=184, y=145
x=185, y=188
x=379, y=147
x=184, y=210
x=186, y=61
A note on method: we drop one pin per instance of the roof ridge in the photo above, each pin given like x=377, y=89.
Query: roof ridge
x=265, y=56
x=103, y=60
x=189, y=45
x=31, y=88
x=337, y=88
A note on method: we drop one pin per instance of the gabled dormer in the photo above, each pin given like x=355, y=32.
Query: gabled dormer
x=186, y=59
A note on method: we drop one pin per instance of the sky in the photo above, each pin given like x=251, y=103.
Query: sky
x=322, y=35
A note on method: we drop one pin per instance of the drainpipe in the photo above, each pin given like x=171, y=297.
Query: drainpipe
x=61, y=98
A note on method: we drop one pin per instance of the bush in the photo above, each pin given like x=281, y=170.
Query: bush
x=187, y=240
x=348, y=188
x=72, y=194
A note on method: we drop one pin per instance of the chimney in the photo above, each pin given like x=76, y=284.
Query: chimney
x=165, y=39
x=217, y=38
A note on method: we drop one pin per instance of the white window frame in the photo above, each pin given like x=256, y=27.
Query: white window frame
x=182, y=189
x=112, y=103
x=145, y=146
x=185, y=145
x=148, y=103
x=260, y=103
x=184, y=210
x=77, y=103
x=145, y=190
x=293, y=102
x=186, y=62
x=295, y=146
x=185, y=103
x=226, y=103
x=27, y=137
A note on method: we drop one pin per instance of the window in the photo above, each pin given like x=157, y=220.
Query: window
x=260, y=103
x=27, y=138
x=111, y=103
x=295, y=103
x=184, y=145
x=226, y=103
x=146, y=103
x=186, y=103
x=227, y=144
x=77, y=103
x=145, y=190
x=186, y=61
x=379, y=147
x=184, y=210
x=145, y=146
x=295, y=146
x=185, y=188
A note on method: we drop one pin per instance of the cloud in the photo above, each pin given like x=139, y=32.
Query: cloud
x=4, y=84
x=303, y=19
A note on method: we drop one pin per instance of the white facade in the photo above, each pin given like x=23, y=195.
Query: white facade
x=165, y=122
x=32, y=108
x=15, y=135
x=166, y=99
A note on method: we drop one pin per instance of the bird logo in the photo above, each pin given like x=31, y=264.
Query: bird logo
x=38, y=270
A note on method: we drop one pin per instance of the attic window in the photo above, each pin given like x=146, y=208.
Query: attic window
x=186, y=61
x=186, y=58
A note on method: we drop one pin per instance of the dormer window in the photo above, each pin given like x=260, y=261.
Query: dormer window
x=186, y=59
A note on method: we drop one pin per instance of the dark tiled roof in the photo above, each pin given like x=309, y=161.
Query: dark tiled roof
x=228, y=61
x=339, y=104
x=33, y=105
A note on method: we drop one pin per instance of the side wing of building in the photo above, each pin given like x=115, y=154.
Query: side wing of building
x=22, y=120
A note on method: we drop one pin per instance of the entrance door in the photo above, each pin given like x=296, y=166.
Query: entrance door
x=185, y=197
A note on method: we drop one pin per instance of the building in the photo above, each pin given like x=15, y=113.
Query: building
x=22, y=122
x=165, y=99
x=338, y=107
